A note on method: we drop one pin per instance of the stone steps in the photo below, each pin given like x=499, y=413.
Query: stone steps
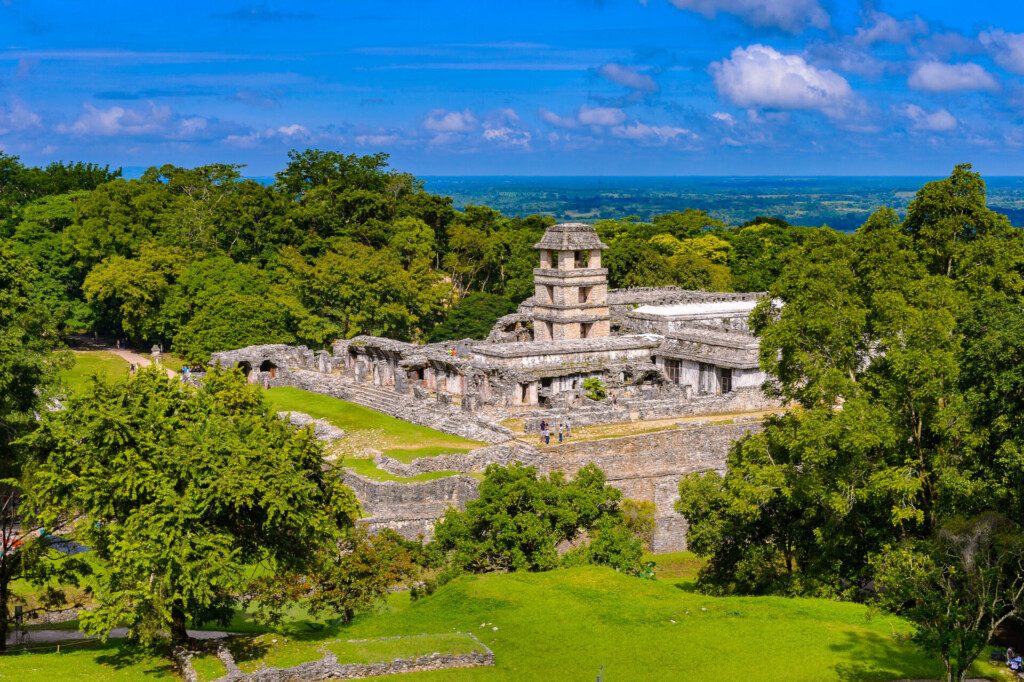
x=448, y=419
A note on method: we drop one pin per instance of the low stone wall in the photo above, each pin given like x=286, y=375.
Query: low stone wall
x=328, y=667
x=473, y=461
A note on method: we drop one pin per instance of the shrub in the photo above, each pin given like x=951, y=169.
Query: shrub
x=595, y=388
x=638, y=517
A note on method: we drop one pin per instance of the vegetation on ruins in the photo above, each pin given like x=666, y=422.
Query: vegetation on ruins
x=338, y=245
x=520, y=518
x=181, y=491
x=899, y=348
x=595, y=388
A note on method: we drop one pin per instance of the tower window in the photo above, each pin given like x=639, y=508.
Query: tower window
x=585, y=294
x=585, y=328
x=582, y=259
x=551, y=293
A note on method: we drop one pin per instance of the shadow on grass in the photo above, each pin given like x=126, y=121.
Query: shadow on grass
x=875, y=657
x=124, y=654
x=245, y=649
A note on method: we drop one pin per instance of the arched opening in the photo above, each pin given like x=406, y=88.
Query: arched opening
x=268, y=366
x=246, y=369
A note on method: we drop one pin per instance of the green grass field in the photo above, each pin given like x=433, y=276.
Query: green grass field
x=89, y=363
x=365, y=467
x=566, y=624
x=366, y=428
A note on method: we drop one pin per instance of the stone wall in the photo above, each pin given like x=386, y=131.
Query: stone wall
x=645, y=466
x=650, y=466
x=664, y=406
x=410, y=509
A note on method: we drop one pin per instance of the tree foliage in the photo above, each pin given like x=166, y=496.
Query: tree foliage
x=179, y=491
x=520, y=518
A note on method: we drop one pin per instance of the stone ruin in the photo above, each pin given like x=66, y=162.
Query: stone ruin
x=661, y=353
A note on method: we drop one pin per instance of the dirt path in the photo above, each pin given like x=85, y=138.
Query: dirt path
x=59, y=636
x=133, y=357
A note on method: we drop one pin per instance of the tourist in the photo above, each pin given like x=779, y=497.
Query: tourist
x=559, y=432
x=568, y=427
x=1014, y=661
x=546, y=435
x=543, y=428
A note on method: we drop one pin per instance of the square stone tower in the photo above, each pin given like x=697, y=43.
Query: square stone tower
x=571, y=288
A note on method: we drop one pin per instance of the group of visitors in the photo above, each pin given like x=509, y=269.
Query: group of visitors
x=564, y=431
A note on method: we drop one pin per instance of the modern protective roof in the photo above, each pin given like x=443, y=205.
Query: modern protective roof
x=570, y=237
x=689, y=309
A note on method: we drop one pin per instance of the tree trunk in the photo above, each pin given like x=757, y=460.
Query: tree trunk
x=179, y=635
x=4, y=613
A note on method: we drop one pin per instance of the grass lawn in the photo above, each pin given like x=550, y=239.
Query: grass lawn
x=366, y=428
x=169, y=360
x=88, y=363
x=89, y=662
x=566, y=624
x=365, y=467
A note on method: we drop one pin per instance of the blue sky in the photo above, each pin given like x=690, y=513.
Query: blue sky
x=553, y=87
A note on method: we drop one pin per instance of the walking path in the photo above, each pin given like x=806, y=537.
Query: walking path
x=133, y=357
x=59, y=636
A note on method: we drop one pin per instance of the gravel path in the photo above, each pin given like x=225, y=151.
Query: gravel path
x=56, y=636
x=140, y=360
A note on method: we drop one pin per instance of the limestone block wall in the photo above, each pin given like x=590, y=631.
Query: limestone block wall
x=645, y=467
x=650, y=466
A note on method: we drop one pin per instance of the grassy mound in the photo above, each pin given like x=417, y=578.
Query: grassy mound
x=366, y=428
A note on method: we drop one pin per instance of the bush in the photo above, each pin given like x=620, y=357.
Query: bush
x=614, y=545
x=638, y=517
x=520, y=517
x=595, y=388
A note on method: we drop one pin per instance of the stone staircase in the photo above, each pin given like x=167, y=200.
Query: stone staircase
x=425, y=412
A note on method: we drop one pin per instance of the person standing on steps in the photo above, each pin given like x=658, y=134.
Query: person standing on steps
x=560, y=427
x=543, y=428
x=568, y=427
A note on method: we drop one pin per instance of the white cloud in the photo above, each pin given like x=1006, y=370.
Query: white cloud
x=150, y=120
x=600, y=116
x=376, y=140
x=502, y=128
x=443, y=121
x=1006, y=48
x=648, y=134
x=942, y=77
x=882, y=28
x=723, y=117
x=789, y=15
x=287, y=134
x=16, y=116
x=760, y=76
x=628, y=77
x=936, y=121
x=558, y=121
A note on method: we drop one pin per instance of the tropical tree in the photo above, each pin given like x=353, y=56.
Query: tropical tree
x=180, y=491
x=958, y=588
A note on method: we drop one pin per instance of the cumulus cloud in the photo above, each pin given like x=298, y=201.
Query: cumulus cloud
x=286, y=134
x=936, y=121
x=16, y=116
x=1006, y=48
x=789, y=15
x=941, y=77
x=628, y=77
x=503, y=128
x=760, y=76
x=652, y=134
x=880, y=27
x=149, y=120
x=443, y=121
x=600, y=116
